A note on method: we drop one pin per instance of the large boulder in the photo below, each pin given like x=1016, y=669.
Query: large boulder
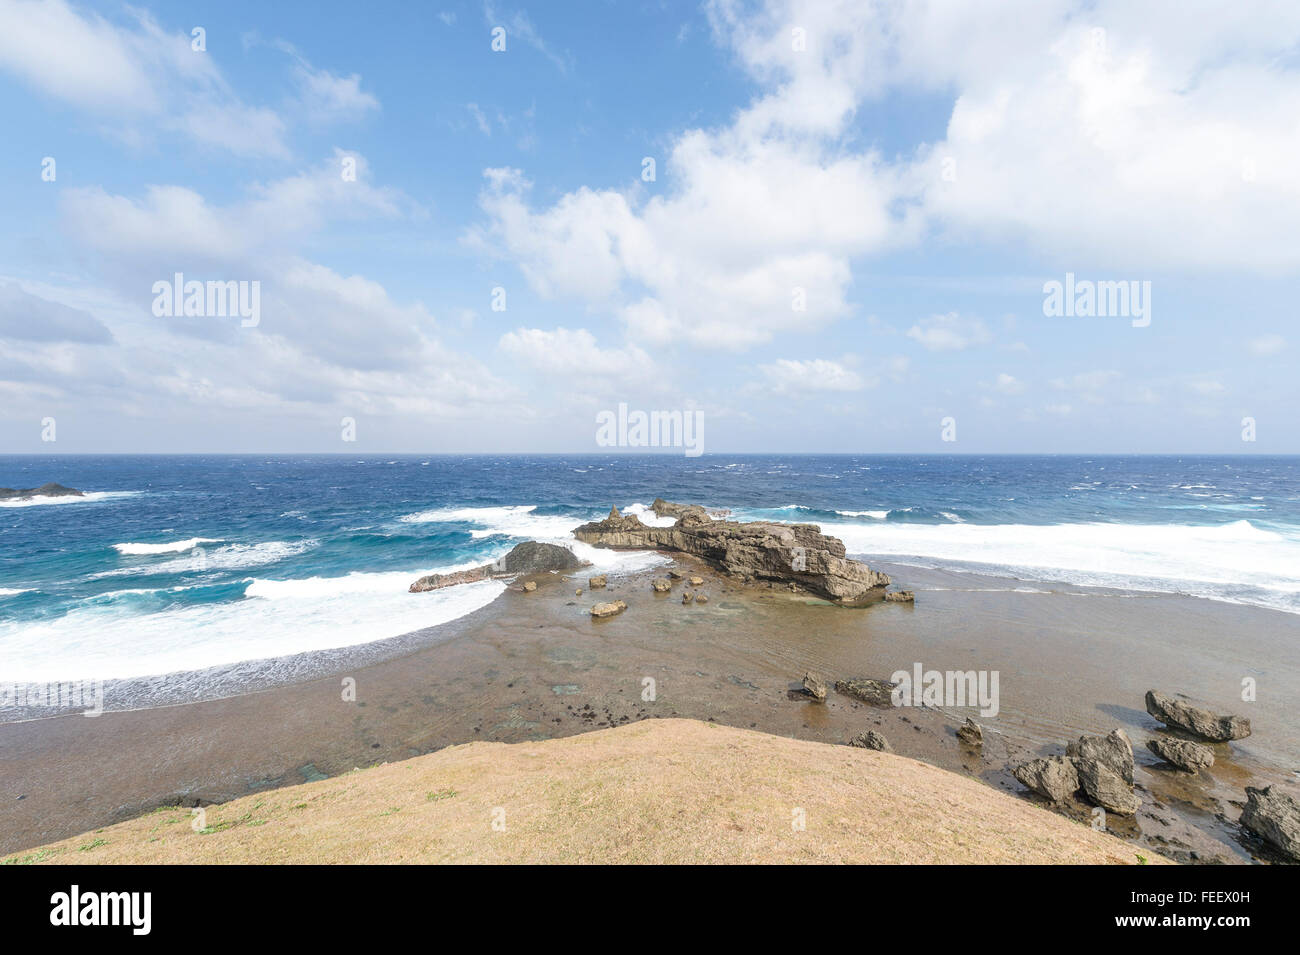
x=49, y=489
x=530, y=557
x=1195, y=720
x=1105, y=767
x=1055, y=777
x=1274, y=816
x=971, y=733
x=1183, y=753
x=797, y=554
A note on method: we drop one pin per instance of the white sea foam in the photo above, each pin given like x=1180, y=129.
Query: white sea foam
x=1238, y=561
x=90, y=497
x=13, y=591
x=142, y=550
x=648, y=517
x=110, y=639
x=229, y=557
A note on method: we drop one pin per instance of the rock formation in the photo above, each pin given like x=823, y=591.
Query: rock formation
x=1194, y=720
x=1275, y=817
x=795, y=554
x=1055, y=777
x=1182, y=753
x=971, y=733
x=814, y=687
x=530, y=557
x=1105, y=766
x=45, y=490
x=875, y=692
x=872, y=740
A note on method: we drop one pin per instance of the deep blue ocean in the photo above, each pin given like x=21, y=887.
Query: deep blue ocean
x=181, y=562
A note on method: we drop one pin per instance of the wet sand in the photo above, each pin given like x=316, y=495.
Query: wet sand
x=533, y=666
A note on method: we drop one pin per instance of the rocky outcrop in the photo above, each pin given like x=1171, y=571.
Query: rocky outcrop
x=438, y=581
x=1275, y=817
x=1184, y=754
x=796, y=554
x=1055, y=777
x=900, y=597
x=814, y=688
x=1105, y=767
x=872, y=740
x=45, y=490
x=875, y=692
x=608, y=609
x=530, y=557
x=971, y=733
x=1194, y=720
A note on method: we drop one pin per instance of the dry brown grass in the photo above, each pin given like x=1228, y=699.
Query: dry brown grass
x=675, y=791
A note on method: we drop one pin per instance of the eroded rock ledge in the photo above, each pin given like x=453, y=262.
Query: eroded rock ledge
x=797, y=554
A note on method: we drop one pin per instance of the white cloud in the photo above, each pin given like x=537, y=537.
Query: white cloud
x=1008, y=385
x=1266, y=345
x=949, y=332
x=567, y=352
x=790, y=377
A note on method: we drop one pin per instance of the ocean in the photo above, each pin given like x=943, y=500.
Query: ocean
x=178, y=563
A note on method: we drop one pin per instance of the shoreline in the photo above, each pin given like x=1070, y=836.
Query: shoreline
x=533, y=666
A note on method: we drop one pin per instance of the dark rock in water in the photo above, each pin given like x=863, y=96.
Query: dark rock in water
x=900, y=596
x=530, y=557
x=1182, y=753
x=45, y=490
x=971, y=733
x=1055, y=777
x=872, y=740
x=1274, y=816
x=1105, y=767
x=787, y=553
x=1194, y=720
x=814, y=687
x=875, y=692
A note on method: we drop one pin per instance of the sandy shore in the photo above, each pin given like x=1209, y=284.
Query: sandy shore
x=535, y=666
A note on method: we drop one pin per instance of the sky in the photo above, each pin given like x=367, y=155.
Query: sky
x=811, y=226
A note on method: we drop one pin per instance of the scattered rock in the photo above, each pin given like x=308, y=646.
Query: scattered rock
x=686, y=596
x=697, y=581
x=971, y=733
x=595, y=583
x=1194, y=720
x=1105, y=768
x=701, y=598
x=900, y=597
x=1274, y=816
x=1184, y=754
x=661, y=585
x=784, y=553
x=49, y=489
x=530, y=586
x=875, y=692
x=1055, y=777
x=578, y=592
x=872, y=740
x=814, y=687
x=608, y=609
x=675, y=575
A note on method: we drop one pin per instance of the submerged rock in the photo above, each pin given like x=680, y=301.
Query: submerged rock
x=661, y=585
x=1055, y=777
x=1184, y=754
x=687, y=596
x=875, y=692
x=797, y=554
x=596, y=583
x=1195, y=720
x=1274, y=816
x=608, y=609
x=872, y=740
x=701, y=598
x=49, y=489
x=900, y=596
x=814, y=687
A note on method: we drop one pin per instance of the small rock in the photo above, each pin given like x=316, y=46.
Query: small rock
x=578, y=592
x=971, y=733
x=661, y=585
x=530, y=586
x=696, y=581
x=1274, y=816
x=608, y=609
x=675, y=575
x=814, y=687
x=1182, y=753
x=1194, y=720
x=900, y=597
x=872, y=740
x=1055, y=777
x=875, y=692
x=701, y=598
x=595, y=583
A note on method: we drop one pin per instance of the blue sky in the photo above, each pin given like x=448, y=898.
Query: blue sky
x=915, y=172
